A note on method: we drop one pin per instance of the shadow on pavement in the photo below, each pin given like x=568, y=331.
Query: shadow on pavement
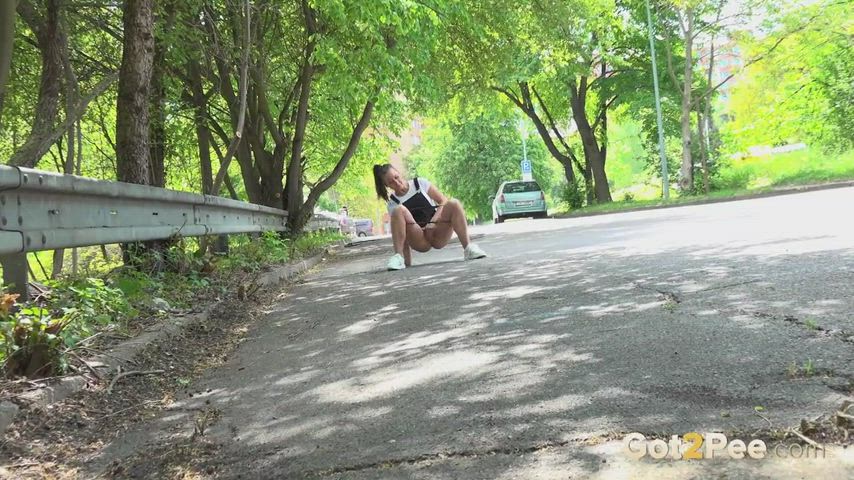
x=576, y=339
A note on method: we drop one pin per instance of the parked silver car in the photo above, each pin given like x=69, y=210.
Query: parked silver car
x=364, y=227
x=520, y=198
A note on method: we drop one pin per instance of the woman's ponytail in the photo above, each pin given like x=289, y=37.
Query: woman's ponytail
x=379, y=184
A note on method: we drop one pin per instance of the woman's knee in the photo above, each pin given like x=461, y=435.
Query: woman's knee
x=454, y=204
x=400, y=212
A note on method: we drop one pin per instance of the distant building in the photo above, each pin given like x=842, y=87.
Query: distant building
x=407, y=140
x=727, y=62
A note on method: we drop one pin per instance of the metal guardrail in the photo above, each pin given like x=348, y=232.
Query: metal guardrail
x=44, y=211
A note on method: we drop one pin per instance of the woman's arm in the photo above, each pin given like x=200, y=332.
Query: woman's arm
x=440, y=200
x=436, y=195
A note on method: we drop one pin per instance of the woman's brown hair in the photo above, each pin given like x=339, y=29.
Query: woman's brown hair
x=379, y=172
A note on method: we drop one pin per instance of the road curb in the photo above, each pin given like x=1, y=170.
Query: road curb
x=122, y=354
x=708, y=201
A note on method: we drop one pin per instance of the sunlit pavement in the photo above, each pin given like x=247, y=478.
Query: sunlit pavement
x=571, y=333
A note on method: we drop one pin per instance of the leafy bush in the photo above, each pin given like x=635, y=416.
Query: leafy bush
x=31, y=340
x=250, y=255
x=573, y=194
x=310, y=243
x=85, y=304
x=35, y=339
x=732, y=179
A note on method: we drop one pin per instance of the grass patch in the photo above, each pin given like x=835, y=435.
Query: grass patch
x=750, y=175
x=803, y=167
x=803, y=371
x=635, y=204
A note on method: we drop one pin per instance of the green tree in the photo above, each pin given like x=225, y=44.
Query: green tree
x=468, y=154
x=801, y=90
x=567, y=66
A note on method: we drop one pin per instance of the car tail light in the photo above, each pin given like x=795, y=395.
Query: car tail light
x=501, y=198
x=542, y=195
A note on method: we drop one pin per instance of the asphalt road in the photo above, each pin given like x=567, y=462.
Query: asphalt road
x=536, y=361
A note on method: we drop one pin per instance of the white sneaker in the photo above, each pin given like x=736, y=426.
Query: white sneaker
x=396, y=262
x=473, y=252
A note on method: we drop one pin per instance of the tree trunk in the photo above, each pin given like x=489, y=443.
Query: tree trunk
x=50, y=40
x=686, y=179
x=132, y=110
x=701, y=139
x=7, y=44
x=588, y=181
x=243, y=88
x=305, y=210
x=294, y=184
x=203, y=134
x=593, y=155
x=526, y=105
x=157, y=142
x=713, y=137
x=78, y=170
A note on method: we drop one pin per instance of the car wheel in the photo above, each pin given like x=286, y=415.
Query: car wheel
x=499, y=219
x=362, y=234
x=541, y=215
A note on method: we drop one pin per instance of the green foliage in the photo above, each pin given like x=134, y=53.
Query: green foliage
x=31, y=340
x=85, y=305
x=573, y=195
x=733, y=179
x=626, y=151
x=801, y=91
x=467, y=154
x=793, y=168
x=806, y=370
x=34, y=338
x=250, y=255
x=134, y=284
x=310, y=243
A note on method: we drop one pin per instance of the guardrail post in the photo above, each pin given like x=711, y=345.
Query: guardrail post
x=221, y=245
x=15, y=274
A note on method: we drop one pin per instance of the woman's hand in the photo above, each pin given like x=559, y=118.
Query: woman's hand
x=435, y=217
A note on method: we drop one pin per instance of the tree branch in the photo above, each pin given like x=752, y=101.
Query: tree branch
x=511, y=95
x=602, y=112
x=671, y=72
x=241, y=115
x=553, y=125
x=759, y=57
x=28, y=157
x=352, y=145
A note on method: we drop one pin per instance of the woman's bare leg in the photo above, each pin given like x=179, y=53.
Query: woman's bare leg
x=406, y=233
x=407, y=255
x=452, y=219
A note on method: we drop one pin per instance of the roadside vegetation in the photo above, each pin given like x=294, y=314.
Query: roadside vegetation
x=73, y=316
x=744, y=177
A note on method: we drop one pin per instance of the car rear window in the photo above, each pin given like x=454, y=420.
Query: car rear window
x=519, y=187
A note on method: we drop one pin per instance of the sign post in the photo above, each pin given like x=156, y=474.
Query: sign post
x=526, y=170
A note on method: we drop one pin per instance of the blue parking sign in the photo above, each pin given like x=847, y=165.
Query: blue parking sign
x=526, y=166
